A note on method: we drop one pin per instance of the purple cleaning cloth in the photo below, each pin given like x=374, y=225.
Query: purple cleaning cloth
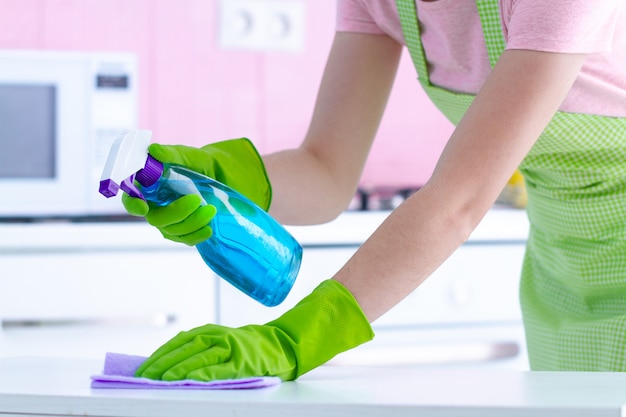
x=119, y=371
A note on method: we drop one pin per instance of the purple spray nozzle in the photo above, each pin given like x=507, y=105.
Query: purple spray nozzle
x=108, y=188
x=146, y=176
x=127, y=157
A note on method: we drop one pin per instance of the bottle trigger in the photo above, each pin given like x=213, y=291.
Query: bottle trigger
x=129, y=187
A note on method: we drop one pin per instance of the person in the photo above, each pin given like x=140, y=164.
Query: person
x=529, y=84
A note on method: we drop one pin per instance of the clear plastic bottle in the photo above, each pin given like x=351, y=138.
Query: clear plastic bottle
x=248, y=248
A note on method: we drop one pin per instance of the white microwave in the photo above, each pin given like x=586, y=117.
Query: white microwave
x=59, y=114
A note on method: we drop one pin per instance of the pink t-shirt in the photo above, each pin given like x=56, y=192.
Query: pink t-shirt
x=455, y=47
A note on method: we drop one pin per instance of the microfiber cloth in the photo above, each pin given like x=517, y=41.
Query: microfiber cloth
x=119, y=371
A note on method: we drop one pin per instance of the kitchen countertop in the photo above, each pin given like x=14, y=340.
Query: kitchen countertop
x=500, y=223
x=59, y=386
x=350, y=228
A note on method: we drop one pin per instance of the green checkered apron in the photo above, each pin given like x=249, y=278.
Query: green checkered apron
x=573, y=285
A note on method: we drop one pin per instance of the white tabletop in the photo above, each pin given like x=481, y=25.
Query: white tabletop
x=39, y=386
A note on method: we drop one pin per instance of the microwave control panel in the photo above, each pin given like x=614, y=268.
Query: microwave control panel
x=113, y=111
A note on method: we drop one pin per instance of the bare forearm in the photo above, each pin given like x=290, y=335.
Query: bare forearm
x=407, y=248
x=496, y=133
x=303, y=190
x=315, y=183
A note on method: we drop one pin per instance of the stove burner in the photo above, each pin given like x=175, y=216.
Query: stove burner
x=380, y=198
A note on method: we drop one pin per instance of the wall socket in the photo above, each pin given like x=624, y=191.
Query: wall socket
x=262, y=25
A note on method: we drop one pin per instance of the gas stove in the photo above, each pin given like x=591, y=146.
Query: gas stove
x=380, y=197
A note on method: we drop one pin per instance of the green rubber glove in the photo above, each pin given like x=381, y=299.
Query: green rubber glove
x=234, y=162
x=325, y=323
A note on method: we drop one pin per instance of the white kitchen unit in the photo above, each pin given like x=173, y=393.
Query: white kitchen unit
x=82, y=289
x=466, y=314
x=39, y=387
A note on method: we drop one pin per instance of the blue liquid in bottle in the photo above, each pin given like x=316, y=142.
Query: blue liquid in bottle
x=248, y=248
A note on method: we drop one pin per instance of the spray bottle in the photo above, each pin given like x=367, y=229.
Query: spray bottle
x=248, y=248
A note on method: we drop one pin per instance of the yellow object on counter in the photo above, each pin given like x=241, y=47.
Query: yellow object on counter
x=514, y=192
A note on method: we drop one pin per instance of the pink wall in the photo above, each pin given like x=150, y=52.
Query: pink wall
x=194, y=92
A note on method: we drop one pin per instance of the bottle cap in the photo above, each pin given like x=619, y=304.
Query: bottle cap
x=150, y=173
x=127, y=156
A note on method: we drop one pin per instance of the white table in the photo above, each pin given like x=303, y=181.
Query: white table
x=38, y=386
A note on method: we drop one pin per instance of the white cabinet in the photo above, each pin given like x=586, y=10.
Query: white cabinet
x=478, y=283
x=467, y=311
x=82, y=289
x=87, y=288
x=100, y=271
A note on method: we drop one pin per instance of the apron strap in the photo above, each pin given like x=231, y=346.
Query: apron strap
x=490, y=20
x=407, y=11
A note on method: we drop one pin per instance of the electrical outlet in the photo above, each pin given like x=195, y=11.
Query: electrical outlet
x=262, y=25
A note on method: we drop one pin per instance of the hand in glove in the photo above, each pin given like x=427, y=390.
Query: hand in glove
x=235, y=163
x=325, y=323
